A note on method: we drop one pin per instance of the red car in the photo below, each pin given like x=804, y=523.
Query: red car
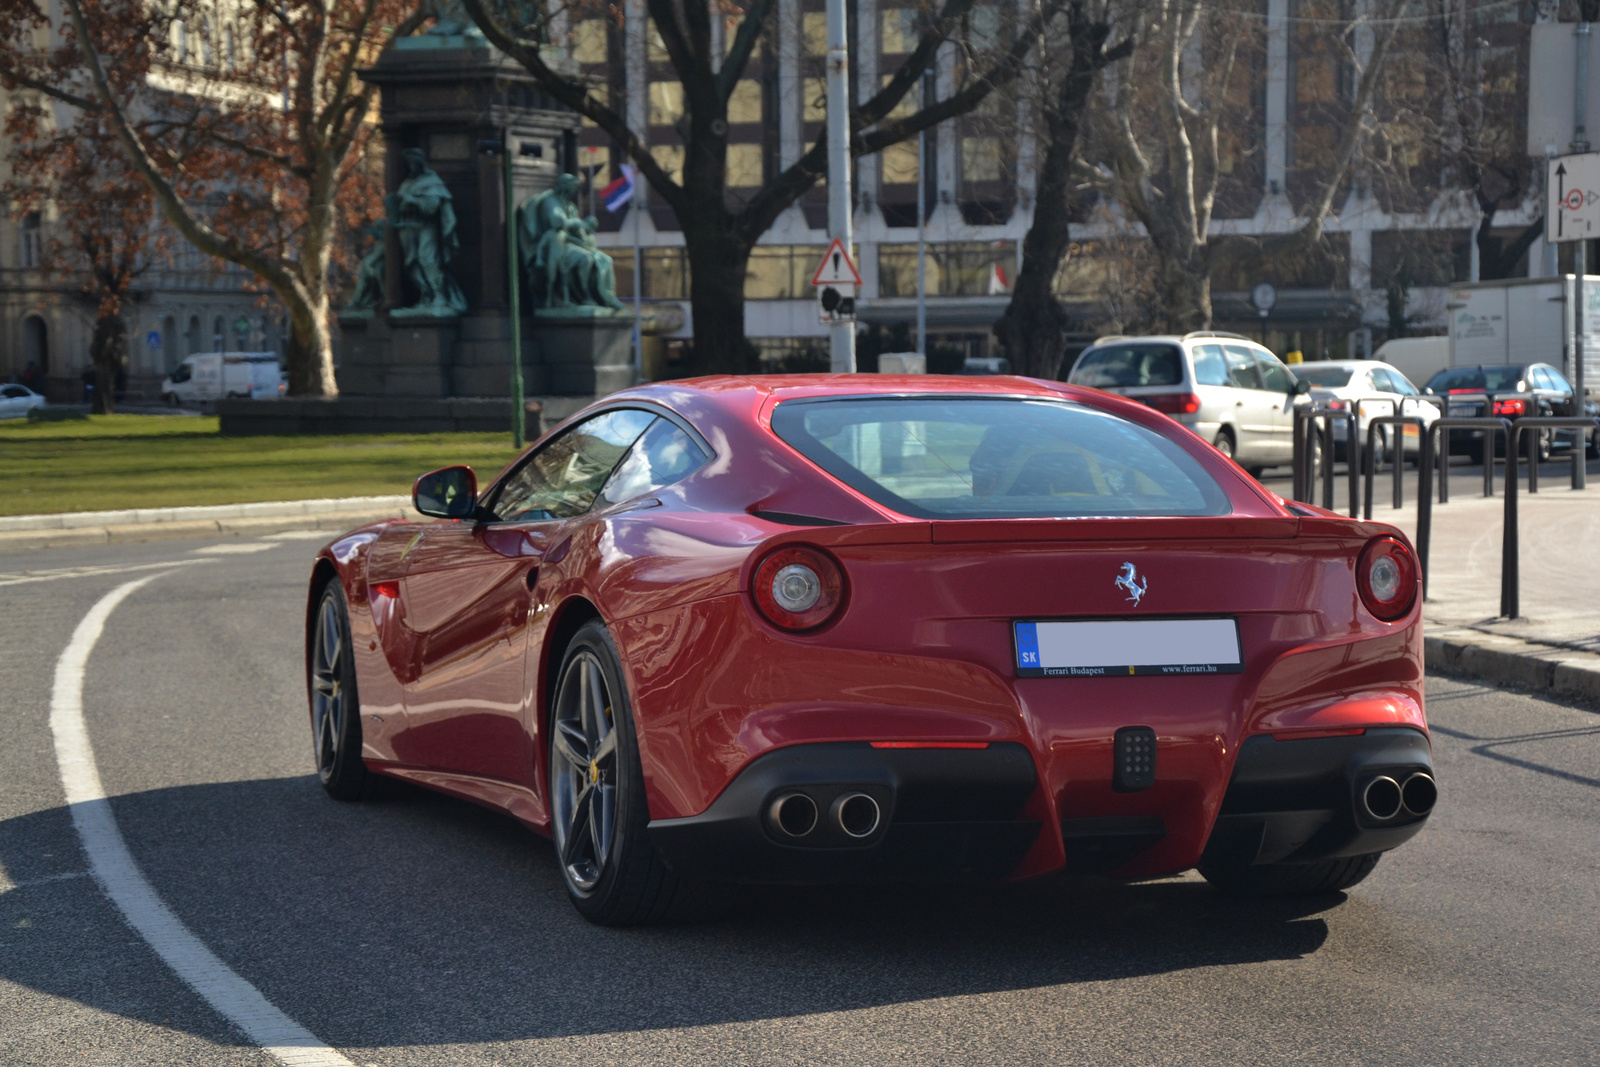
x=833, y=628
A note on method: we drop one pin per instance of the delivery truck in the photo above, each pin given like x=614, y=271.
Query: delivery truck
x=213, y=375
x=1524, y=320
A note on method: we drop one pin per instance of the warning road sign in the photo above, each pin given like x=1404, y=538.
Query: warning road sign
x=836, y=267
x=1572, y=198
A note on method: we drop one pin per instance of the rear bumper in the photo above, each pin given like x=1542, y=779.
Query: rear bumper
x=944, y=814
x=1298, y=801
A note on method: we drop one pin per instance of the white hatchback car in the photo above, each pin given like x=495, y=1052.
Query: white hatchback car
x=1223, y=386
x=17, y=400
x=1339, y=383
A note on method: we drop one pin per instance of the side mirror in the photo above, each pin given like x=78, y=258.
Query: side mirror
x=1301, y=387
x=447, y=493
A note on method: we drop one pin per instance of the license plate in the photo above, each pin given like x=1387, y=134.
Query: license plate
x=1098, y=648
x=1463, y=409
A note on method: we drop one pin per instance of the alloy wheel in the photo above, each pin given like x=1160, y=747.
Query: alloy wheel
x=583, y=772
x=328, y=703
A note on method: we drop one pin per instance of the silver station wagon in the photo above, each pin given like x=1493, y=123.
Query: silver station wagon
x=1223, y=386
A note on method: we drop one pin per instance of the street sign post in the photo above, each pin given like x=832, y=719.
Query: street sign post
x=1572, y=198
x=836, y=280
x=1572, y=213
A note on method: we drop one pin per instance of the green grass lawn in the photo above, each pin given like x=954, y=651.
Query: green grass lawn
x=152, y=461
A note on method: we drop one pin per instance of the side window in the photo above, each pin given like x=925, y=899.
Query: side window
x=1558, y=380
x=182, y=372
x=1209, y=369
x=1273, y=374
x=14, y=392
x=1401, y=383
x=1241, y=368
x=561, y=479
x=663, y=455
x=1380, y=382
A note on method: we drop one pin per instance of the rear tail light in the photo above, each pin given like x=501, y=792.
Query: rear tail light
x=1173, y=403
x=1510, y=407
x=390, y=590
x=1386, y=575
x=1336, y=405
x=798, y=588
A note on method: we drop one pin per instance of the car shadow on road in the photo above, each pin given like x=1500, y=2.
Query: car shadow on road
x=421, y=920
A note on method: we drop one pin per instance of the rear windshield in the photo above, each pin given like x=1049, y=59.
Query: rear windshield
x=1324, y=377
x=984, y=457
x=1489, y=379
x=1134, y=364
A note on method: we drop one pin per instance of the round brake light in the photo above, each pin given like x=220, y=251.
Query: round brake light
x=798, y=588
x=1386, y=575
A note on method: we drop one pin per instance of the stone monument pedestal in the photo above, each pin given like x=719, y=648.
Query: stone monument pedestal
x=584, y=350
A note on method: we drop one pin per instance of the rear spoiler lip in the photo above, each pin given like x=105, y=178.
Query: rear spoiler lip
x=1120, y=531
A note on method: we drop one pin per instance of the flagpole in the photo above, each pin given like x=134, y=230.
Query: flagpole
x=638, y=282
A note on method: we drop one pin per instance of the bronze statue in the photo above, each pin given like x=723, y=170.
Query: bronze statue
x=561, y=260
x=369, y=274
x=422, y=211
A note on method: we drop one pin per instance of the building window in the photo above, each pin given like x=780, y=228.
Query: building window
x=814, y=100
x=666, y=274
x=669, y=157
x=30, y=244
x=744, y=165
x=900, y=163
x=589, y=41
x=814, y=33
x=957, y=268
x=980, y=159
x=745, y=103
x=899, y=30
x=666, y=103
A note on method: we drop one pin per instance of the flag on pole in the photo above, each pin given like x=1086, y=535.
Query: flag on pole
x=620, y=191
x=999, y=284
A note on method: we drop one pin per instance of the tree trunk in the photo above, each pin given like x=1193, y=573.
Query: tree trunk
x=718, y=260
x=1186, y=293
x=310, y=347
x=1033, y=328
x=106, y=348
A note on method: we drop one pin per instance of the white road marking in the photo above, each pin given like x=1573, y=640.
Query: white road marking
x=240, y=1002
x=302, y=535
x=244, y=549
x=57, y=573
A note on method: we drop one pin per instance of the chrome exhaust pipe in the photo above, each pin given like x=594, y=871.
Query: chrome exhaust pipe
x=794, y=814
x=1419, y=794
x=1381, y=798
x=857, y=814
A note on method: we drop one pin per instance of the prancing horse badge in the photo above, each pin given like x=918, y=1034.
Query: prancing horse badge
x=1129, y=582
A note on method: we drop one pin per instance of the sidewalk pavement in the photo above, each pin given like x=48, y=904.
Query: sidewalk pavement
x=20, y=532
x=1553, y=647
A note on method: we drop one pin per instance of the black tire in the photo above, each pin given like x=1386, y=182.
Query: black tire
x=1224, y=442
x=613, y=875
x=335, y=702
x=1292, y=879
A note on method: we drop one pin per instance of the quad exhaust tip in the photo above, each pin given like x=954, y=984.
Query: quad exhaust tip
x=1382, y=798
x=1419, y=794
x=794, y=814
x=856, y=814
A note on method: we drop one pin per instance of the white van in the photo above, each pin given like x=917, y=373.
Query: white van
x=213, y=375
x=1418, y=358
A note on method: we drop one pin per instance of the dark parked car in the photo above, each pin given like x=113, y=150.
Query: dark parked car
x=1512, y=391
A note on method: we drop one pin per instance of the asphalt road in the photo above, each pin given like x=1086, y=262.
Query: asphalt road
x=419, y=930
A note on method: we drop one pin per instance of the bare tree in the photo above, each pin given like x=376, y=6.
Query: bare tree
x=1157, y=138
x=720, y=228
x=1033, y=326
x=249, y=131
x=102, y=234
x=1451, y=125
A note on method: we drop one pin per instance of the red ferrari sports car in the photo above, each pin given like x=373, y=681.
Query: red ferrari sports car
x=822, y=628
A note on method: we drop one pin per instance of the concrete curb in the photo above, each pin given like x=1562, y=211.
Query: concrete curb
x=212, y=512
x=176, y=529
x=1502, y=660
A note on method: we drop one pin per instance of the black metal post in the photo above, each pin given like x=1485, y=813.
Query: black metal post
x=1425, y=504
x=1509, y=597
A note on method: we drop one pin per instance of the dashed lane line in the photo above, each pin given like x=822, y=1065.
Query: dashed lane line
x=244, y=549
x=113, y=866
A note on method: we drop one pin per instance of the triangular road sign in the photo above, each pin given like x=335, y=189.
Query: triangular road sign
x=836, y=267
